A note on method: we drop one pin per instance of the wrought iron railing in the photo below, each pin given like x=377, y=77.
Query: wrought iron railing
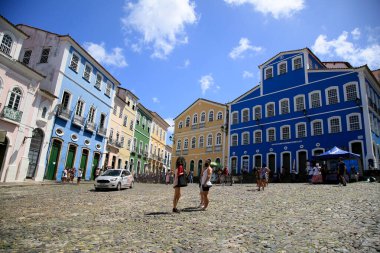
x=12, y=114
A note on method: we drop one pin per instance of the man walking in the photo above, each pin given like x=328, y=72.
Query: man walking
x=341, y=171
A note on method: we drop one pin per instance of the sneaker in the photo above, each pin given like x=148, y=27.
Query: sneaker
x=203, y=209
x=175, y=210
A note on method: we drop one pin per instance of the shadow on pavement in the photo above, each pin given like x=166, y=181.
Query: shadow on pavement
x=157, y=213
x=190, y=209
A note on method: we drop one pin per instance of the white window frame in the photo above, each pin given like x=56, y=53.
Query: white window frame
x=245, y=137
x=179, y=144
x=201, y=141
x=279, y=69
x=209, y=113
x=266, y=109
x=203, y=117
x=219, y=115
x=298, y=133
x=82, y=109
x=345, y=90
x=336, y=88
x=295, y=103
x=232, y=117
x=280, y=105
x=20, y=95
x=254, y=136
x=180, y=124
x=349, y=123
x=195, y=119
x=92, y=118
x=274, y=135
x=255, y=116
x=293, y=63
x=193, y=142
x=242, y=115
x=218, y=139
x=85, y=72
x=265, y=73
x=312, y=127
x=209, y=141
x=186, y=144
x=187, y=122
x=108, y=89
x=11, y=47
x=310, y=100
x=234, y=141
x=98, y=84
x=282, y=133
x=330, y=127
x=78, y=63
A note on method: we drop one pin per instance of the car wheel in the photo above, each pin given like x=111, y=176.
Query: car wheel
x=96, y=189
x=131, y=186
x=118, y=187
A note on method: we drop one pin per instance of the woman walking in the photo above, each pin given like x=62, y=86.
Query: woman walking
x=206, y=184
x=179, y=181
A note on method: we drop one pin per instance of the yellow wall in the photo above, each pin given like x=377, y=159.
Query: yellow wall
x=195, y=130
x=158, y=141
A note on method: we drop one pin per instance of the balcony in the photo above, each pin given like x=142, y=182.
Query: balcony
x=178, y=152
x=159, y=159
x=12, y=114
x=102, y=131
x=133, y=151
x=185, y=152
x=78, y=120
x=119, y=144
x=195, y=126
x=202, y=125
x=64, y=113
x=208, y=149
x=90, y=126
x=218, y=148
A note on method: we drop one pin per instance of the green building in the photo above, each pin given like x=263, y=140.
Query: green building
x=139, y=152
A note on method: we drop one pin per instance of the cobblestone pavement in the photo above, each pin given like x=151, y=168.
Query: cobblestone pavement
x=283, y=218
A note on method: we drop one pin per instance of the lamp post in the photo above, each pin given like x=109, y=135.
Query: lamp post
x=304, y=111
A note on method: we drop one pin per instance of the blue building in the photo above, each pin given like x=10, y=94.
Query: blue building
x=85, y=91
x=301, y=108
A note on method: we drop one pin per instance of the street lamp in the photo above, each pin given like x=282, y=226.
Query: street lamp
x=224, y=128
x=304, y=111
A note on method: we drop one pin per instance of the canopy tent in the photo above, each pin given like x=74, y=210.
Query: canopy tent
x=336, y=153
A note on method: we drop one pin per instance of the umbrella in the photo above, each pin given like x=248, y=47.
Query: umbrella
x=335, y=153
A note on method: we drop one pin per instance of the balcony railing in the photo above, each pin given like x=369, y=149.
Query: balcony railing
x=201, y=125
x=218, y=148
x=90, y=126
x=12, y=114
x=185, y=152
x=64, y=113
x=119, y=144
x=102, y=131
x=195, y=126
x=178, y=152
x=78, y=120
x=208, y=149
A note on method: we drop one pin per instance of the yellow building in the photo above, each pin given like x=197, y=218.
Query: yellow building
x=121, y=129
x=200, y=133
x=157, y=143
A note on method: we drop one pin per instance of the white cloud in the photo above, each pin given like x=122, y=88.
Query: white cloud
x=276, y=8
x=170, y=121
x=156, y=100
x=187, y=63
x=247, y=74
x=348, y=51
x=356, y=33
x=98, y=51
x=161, y=23
x=244, y=46
x=207, y=82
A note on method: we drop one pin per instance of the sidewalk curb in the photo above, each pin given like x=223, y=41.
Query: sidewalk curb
x=24, y=184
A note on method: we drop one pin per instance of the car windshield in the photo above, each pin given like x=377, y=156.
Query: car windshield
x=112, y=173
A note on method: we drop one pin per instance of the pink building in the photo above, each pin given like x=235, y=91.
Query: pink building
x=25, y=110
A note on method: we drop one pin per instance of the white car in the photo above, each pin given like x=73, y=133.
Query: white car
x=114, y=179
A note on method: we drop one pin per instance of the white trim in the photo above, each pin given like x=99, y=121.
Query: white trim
x=315, y=149
x=199, y=141
x=282, y=135
x=265, y=72
x=78, y=64
x=254, y=160
x=220, y=112
x=282, y=160
x=204, y=120
x=241, y=162
x=242, y=138
x=348, y=121
x=329, y=124
x=280, y=106
x=232, y=117
x=345, y=91
x=237, y=140
x=242, y=115
x=233, y=157
x=275, y=160
x=267, y=134
x=211, y=110
x=298, y=158
x=254, y=112
x=212, y=137
x=294, y=59
x=195, y=143
x=296, y=129
x=195, y=114
x=295, y=102
x=254, y=136
x=310, y=100
x=327, y=94
x=278, y=67
x=266, y=109
x=312, y=127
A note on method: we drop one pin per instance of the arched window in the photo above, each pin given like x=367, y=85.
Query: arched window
x=193, y=140
x=6, y=44
x=186, y=144
x=187, y=123
x=209, y=140
x=258, y=136
x=220, y=116
x=245, y=138
x=195, y=119
x=234, y=140
x=218, y=139
x=211, y=115
x=14, y=99
x=203, y=117
x=201, y=141
x=179, y=145
x=44, y=111
x=180, y=125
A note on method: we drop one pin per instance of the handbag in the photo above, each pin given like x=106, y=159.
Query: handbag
x=182, y=182
x=209, y=184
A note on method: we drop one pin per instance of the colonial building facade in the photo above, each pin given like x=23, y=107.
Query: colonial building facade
x=25, y=108
x=200, y=133
x=301, y=108
x=85, y=90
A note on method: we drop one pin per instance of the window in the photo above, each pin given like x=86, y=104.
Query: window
x=245, y=138
x=125, y=121
x=91, y=114
x=245, y=163
x=297, y=63
x=315, y=99
x=271, y=135
x=14, y=99
x=209, y=140
x=187, y=122
x=193, y=142
x=131, y=125
x=98, y=82
x=43, y=114
x=45, y=55
x=245, y=115
x=120, y=113
x=87, y=72
x=353, y=122
x=301, y=130
x=282, y=69
x=108, y=90
x=270, y=110
x=332, y=96
x=257, y=112
x=203, y=117
x=317, y=128
x=179, y=145
x=79, y=108
x=299, y=102
x=74, y=64
x=186, y=144
x=285, y=132
x=218, y=139
x=284, y=105
x=220, y=116
x=334, y=125
x=110, y=137
x=258, y=136
x=6, y=44
x=114, y=110
x=235, y=118
x=268, y=72
x=26, y=58
x=234, y=140
x=350, y=92
x=102, y=120
x=201, y=141
x=233, y=164
x=180, y=124
x=211, y=116
x=195, y=119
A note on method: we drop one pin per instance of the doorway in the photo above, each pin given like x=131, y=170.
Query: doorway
x=272, y=162
x=83, y=162
x=71, y=156
x=34, y=152
x=357, y=148
x=53, y=160
x=95, y=165
x=286, y=164
x=302, y=159
x=3, y=153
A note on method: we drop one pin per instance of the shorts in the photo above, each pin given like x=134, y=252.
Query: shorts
x=205, y=189
x=79, y=178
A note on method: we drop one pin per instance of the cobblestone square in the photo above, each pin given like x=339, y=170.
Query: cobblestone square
x=283, y=218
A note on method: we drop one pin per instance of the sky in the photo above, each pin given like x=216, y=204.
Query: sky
x=169, y=53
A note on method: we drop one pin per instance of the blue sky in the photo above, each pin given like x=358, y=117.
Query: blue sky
x=172, y=52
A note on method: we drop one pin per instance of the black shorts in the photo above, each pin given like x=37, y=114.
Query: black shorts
x=205, y=189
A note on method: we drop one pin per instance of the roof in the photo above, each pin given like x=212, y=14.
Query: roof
x=49, y=94
x=206, y=100
x=15, y=27
x=163, y=122
x=245, y=94
x=130, y=92
x=144, y=109
x=70, y=39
